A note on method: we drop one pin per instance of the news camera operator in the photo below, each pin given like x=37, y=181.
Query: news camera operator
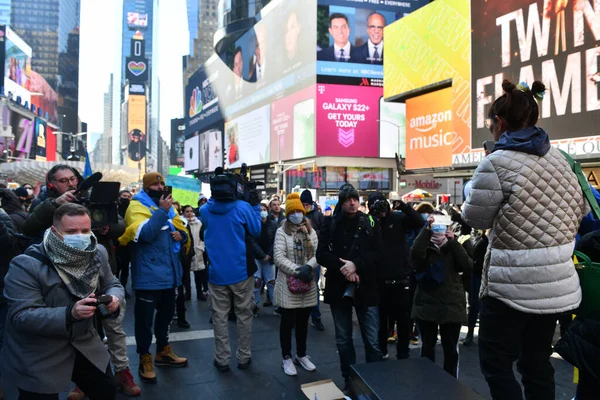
x=53, y=292
x=228, y=220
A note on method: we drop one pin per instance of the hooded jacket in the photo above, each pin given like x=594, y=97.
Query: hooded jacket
x=226, y=228
x=13, y=207
x=527, y=194
x=6, y=248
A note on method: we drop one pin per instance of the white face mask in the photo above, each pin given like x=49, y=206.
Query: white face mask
x=79, y=241
x=296, y=218
x=264, y=214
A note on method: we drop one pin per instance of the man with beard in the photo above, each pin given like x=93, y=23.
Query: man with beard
x=52, y=292
x=394, y=271
x=61, y=183
x=156, y=234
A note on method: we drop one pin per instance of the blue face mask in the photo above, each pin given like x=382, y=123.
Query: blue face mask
x=439, y=228
x=79, y=241
x=296, y=218
x=264, y=214
x=425, y=216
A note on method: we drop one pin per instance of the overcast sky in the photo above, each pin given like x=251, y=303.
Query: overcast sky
x=100, y=47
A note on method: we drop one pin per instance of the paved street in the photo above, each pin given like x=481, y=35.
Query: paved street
x=265, y=379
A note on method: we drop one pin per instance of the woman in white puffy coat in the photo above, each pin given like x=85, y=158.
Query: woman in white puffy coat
x=198, y=266
x=294, y=253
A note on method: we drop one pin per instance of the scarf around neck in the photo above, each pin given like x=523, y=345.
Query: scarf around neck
x=78, y=269
x=303, y=248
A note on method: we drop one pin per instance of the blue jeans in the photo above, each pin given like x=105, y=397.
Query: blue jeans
x=316, y=311
x=368, y=320
x=264, y=273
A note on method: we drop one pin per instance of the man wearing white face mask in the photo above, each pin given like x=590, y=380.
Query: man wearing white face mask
x=53, y=293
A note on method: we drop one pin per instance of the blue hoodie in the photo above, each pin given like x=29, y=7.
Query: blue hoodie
x=225, y=226
x=530, y=140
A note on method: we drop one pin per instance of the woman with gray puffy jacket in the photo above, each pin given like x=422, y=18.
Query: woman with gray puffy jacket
x=527, y=194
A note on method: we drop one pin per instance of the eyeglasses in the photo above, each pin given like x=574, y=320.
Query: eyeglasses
x=72, y=179
x=376, y=27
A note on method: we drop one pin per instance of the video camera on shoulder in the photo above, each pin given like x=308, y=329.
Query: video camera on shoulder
x=228, y=186
x=100, y=198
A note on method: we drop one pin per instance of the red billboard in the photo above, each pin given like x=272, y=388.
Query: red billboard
x=44, y=97
x=347, y=120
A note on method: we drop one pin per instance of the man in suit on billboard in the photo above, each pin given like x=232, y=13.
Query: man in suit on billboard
x=340, y=32
x=372, y=51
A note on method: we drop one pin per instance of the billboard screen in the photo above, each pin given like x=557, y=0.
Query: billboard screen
x=191, y=161
x=137, y=21
x=136, y=128
x=45, y=97
x=347, y=121
x=293, y=126
x=50, y=144
x=211, y=148
x=247, y=138
x=17, y=66
x=41, y=138
x=177, y=141
x=555, y=42
x=350, y=35
x=429, y=130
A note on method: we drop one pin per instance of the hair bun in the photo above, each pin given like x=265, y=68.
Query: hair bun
x=538, y=87
x=508, y=86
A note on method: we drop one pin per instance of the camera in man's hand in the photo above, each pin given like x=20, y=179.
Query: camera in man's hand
x=102, y=305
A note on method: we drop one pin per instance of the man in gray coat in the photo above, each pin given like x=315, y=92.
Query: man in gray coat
x=52, y=293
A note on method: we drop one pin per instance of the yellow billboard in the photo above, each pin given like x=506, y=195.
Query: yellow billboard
x=136, y=128
x=431, y=45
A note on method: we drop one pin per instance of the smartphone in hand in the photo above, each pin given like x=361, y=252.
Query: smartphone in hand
x=168, y=191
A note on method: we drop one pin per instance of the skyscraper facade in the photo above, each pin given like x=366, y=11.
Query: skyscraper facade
x=107, y=133
x=193, y=10
x=206, y=26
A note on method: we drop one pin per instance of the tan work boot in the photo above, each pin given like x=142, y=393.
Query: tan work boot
x=127, y=384
x=166, y=358
x=76, y=394
x=146, y=370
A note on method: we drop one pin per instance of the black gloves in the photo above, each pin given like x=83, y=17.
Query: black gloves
x=305, y=273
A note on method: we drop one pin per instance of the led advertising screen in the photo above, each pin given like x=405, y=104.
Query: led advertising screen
x=17, y=65
x=202, y=97
x=50, y=144
x=552, y=41
x=392, y=129
x=191, y=152
x=293, y=132
x=429, y=130
x=41, y=135
x=136, y=128
x=211, y=149
x=247, y=138
x=45, y=97
x=347, y=121
x=350, y=35
x=177, y=141
x=137, y=21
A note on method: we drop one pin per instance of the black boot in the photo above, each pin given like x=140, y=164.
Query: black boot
x=469, y=339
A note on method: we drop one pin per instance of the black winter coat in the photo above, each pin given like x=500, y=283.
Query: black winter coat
x=108, y=241
x=6, y=248
x=446, y=302
x=269, y=227
x=394, y=227
x=337, y=243
x=317, y=219
x=13, y=207
x=580, y=346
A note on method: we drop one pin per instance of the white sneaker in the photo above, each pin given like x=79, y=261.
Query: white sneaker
x=288, y=367
x=386, y=356
x=306, y=363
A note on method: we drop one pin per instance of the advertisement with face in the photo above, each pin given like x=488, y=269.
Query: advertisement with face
x=17, y=66
x=177, y=141
x=392, y=129
x=429, y=130
x=555, y=42
x=293, y=126
x=41, y=135
x=347, y=121
x=136, y=126
x=191, y=162
x=350, y=39
x=247, y=138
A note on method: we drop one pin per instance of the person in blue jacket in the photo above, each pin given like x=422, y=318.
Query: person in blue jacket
x=156, y=233
x=227, y=228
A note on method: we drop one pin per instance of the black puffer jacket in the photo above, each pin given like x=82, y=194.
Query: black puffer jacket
x=6, y=248
x=267, y=235
x=580, y=346
x=337, y=243
x=317, y=219
x=394, y=227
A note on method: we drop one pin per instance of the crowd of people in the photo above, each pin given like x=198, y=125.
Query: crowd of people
x=407, y=271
